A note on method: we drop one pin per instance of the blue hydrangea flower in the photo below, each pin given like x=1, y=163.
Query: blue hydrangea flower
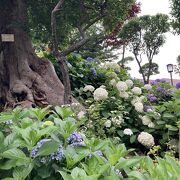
x=58, y=155
x=39, y=144
x=101, y=74
x=178, y=85
x=43, y=160
x=98, y=152
x=74, y=137
x=34, y=152
x=93, y=71
x=90, y=59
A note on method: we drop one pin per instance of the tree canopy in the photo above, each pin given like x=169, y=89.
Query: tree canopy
x=144, y=36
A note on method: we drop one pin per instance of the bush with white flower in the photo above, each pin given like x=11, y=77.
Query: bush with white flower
x=100, y=94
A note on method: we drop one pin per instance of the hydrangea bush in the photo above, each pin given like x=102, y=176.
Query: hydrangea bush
x=124, y=111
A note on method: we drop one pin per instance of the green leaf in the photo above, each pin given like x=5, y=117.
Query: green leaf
x=78, y=172
x=125, y=163
x=138, y=175
x=172, y=128
x=14, y=154
x=65, y=175
x=8, y=164
x=168, y=116
x=64, y=112
x=23, y=171
x=48, y=148
x=132, y=139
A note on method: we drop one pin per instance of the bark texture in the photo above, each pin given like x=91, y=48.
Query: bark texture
x=24, y=77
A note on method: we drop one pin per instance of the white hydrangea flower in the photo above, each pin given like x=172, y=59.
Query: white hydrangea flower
x=139, y=107
x=124, y=94
x=88, y=88
x=100, y=94
x=136, y=100
x=128, y=132
x=137, y=91
x=121, y=86
x=147, y=87
x=146, y=139
x=146, y=120
x=118, y=120
x=112, y=65
x=112, y=82
x=142, y=98
x=107, y=124
x=151, y=125
x=103, y=86
x=129, y=83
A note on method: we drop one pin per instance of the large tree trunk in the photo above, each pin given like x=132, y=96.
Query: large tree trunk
x=23, y=76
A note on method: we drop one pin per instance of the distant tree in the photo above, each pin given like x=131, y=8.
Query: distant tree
x=177, y=66
x=145, y=36
x=175, y=9
x=153, y=71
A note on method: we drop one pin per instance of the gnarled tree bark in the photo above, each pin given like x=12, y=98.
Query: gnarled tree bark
x=24, y=77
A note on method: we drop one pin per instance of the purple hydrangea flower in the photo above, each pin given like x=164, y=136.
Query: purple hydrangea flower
x=160, y=89
x=152, y=98
x=147, y=108
x=153, y=83
x=178, y=85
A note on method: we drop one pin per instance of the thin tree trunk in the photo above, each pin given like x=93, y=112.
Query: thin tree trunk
x=61, y=58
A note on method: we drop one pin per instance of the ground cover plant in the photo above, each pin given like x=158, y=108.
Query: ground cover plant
x=51, y=144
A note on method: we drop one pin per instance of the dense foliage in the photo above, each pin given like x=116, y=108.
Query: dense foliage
x=51, y=144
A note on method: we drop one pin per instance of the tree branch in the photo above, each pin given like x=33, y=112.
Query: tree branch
x=54, y=26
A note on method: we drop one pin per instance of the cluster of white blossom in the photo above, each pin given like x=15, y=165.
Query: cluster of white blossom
x=124, y=94
x=112, y=65
x=147, y=87
x=121, y=86
x=128, y=132
x=107, y=124
x=112, y=82
x=146, y=139
x=139, y=107
x=136, y=91
x=88, y=88
x=147, y=121
x=100, y=94
x=118, y=120
x=129, y=83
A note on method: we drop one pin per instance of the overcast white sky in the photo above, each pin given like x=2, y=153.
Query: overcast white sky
x=171, y=48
